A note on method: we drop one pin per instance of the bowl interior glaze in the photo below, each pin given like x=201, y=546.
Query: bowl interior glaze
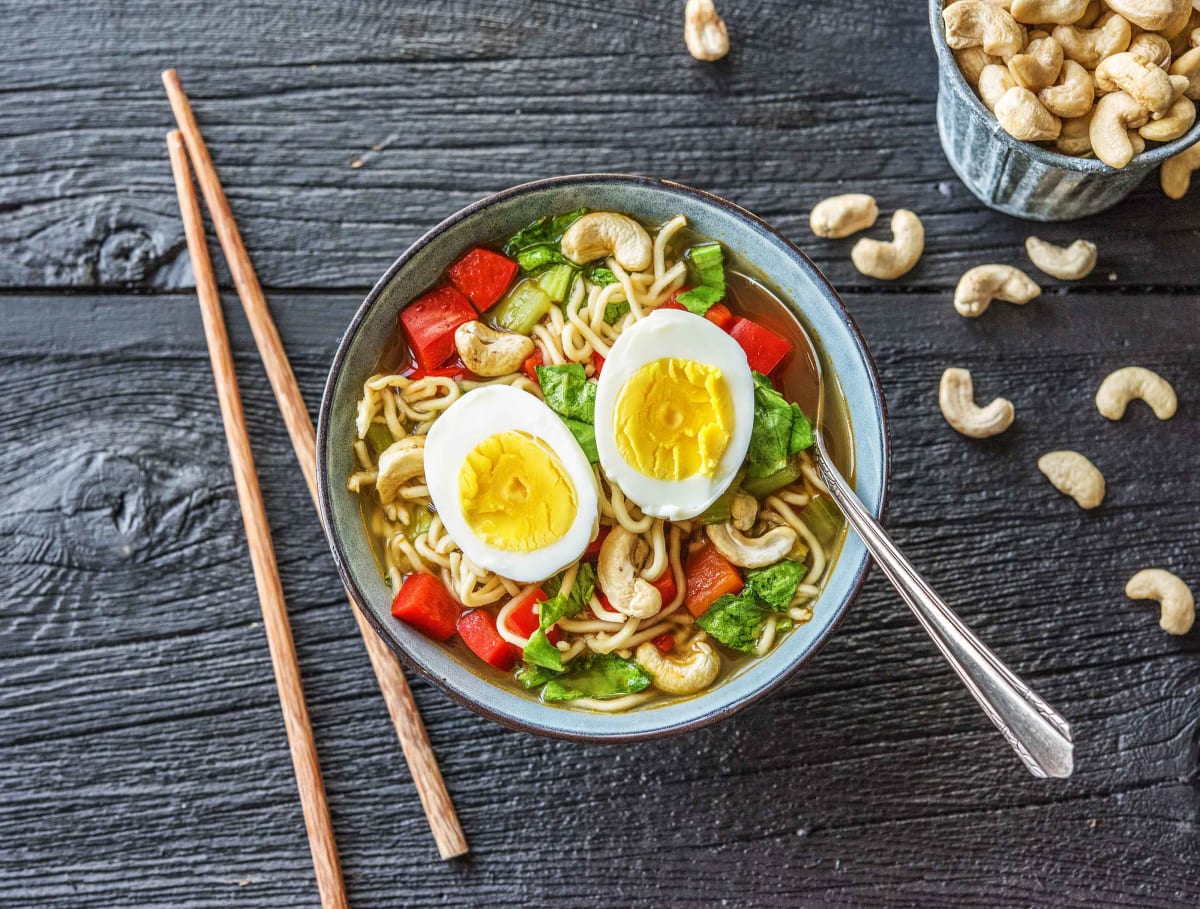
x=791, y=275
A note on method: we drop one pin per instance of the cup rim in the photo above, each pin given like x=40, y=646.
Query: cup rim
x=341, y=557
x=948, y=67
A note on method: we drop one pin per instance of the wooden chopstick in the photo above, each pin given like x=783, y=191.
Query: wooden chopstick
x=439, y=810
x=262, y=553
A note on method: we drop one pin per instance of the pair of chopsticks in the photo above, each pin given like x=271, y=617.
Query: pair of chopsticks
x=185, y=143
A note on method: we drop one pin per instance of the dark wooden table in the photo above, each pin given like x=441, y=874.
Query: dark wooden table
x=142, y=754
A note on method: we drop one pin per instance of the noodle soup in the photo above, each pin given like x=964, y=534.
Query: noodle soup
x=583, y=463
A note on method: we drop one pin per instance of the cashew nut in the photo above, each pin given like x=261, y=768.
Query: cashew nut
x=1075, y=138
x=1194, y=38
x=1152, y=15
x=400, y=462
x=971, y=61
x=956, y=397
x=1122, y=386
x=841, y=216
x=1152, y=47
x=600, y=234
x=1088, y=46
x=994, y=81
x=1115, y=115
x=888, y=261
x=751, y=552
x=704, y=31
x=1178, y=119
x=743, y=511
x=1175, y=175
x=488, y=352
x=1023, y=117
x=1074, y=475
x=984, y=283
x=1038, y=65
x=1136, y=142
x=1060, y=12
x=1072, y=94
x=616, y=572
x=971, y=23
x=1178, y=605
x=1068, y=263
x=1142, y=80
x=1189, y=65
x=693, y=673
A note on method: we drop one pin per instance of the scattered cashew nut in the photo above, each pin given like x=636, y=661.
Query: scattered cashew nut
x=841, y=216
x=1178, y=119
x=616, y=572
x=971, y=61
x=1178, y=605
x=1147, y=83
x=1151, y=15
x=1074, y=475
x=971, y=23
x=1189, y=65
x=488, y=352
x=956, y=397
x=1114, y=116
x=994, y=81
x=1023, y=116
x=1175, y=175
x=695, y=672
x=743, y=511
x=888, y=261
x=1072, y=94
x=750, y=552
x=1068, y=263
x=1088, y=46
x=400, y=462
x=1040, y=12
x=1152, y=47
x=599, y=234
x=704, y=31
x=979, y=286
x=1130, y=382
x=1075, y=138
x=1038, y=65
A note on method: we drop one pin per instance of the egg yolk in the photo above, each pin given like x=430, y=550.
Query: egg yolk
x=515, y=494
x=673, y=419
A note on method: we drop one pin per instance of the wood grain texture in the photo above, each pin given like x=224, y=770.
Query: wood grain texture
x=141, y=761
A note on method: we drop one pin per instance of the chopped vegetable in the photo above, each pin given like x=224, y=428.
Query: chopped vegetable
x=546, y=229
x=521, y=309
x=597, y=365
x=429, y=322
x=559, y=606
x=780, y=430
x=531, y=675
x=719, y=315
x=597, y=675
x=478, y=631
x=521, y=618
x=764, y=349
x=665, y=583
x=536, y=259
x=455, y=370
x=823, y=518
x=706, y=265
x=600, y=275
x=785, y=476
x=483, y=275
x=568, y=392
x=530, y=367
x=708, y=576
x=775, y=585
x=614, y=311
x=736, y=621
x=556, y=281
x=721, y=510
x=541, y=652
x=665, y=642
x=379, y=437
x=425, y=604
x=585, y=435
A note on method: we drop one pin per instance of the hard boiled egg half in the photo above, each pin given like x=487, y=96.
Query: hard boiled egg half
x=674, y=410
x=510, y=483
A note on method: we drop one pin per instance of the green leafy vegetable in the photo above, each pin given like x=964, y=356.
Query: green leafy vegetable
x=568, y=392
x=780, y=430
x=600, y=275
x=544, y=230
x=541, y=652
x=585, y=435
x=556, y=281
x=421, y=522
x=559, y=606
x=379, y=437
x=597, y=675
x=721, y=510
x=706, y=265
x=776, y=584
x=520, y=309
x=736, y=621
x=531, y=675
x=764, y=486
x=614, y=311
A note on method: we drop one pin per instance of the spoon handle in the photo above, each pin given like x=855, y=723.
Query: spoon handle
x=1039, y=735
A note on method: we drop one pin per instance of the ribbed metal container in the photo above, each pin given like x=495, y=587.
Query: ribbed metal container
x=1021, y=178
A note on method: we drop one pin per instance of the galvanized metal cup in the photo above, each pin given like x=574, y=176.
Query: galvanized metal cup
x=1021, y=178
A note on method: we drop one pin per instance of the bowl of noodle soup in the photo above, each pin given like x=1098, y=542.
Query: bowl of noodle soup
x=383, y=538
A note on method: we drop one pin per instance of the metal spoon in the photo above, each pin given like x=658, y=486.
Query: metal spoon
x=1035, y=730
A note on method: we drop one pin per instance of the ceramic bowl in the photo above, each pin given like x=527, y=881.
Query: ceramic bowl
x=792, y=276
x=1021, y=178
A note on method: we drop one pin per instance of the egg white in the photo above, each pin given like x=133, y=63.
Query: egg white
x=476, y=416
x=672, y=333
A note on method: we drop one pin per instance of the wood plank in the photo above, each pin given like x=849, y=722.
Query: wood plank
x=444, y=103
x=142, y=758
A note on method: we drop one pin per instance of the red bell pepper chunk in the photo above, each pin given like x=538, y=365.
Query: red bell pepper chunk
x=427, y=606
x=429, y=322
x=532, y=362
x=455, y=370
x=598, y=362
x=665, y=642
x=483, y=275
x=478, y=631
x=719, y=315
x=671, y=304
x=709, y=576
x=593, y=549
x=524, y=621
x=764, y=349
x=666, y=585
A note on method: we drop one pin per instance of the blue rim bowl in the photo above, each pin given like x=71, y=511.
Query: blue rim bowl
x=791, y=275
